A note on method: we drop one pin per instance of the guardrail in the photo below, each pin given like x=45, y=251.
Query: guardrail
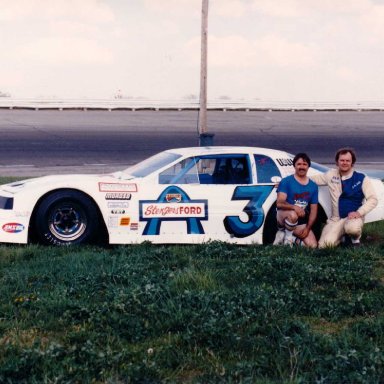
x=152, y=104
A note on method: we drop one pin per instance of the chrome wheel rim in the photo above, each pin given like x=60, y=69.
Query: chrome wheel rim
x=67, y=222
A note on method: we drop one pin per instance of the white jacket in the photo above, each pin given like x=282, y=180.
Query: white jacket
x=332, y=178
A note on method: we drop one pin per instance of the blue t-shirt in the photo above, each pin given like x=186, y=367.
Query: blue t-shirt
x=299, y=194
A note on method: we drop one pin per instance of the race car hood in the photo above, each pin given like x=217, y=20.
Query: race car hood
x=62, y=180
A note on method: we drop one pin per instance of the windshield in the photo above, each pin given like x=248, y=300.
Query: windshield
x=151, y=164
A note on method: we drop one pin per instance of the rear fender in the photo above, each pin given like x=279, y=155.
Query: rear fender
x=377, y=213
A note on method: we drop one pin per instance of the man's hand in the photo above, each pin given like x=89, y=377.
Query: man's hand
x=354, y=215
x=303, y=233
x=299, y=211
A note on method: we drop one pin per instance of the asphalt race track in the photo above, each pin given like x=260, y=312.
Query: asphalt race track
x=52, y=141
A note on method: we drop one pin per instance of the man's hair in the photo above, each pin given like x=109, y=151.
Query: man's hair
x=303, y=156
x=344, y=151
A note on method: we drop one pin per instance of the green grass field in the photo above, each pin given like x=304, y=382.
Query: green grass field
x=206, y=313
x=210, y=313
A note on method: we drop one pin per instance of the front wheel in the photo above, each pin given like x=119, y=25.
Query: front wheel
x=66, y=217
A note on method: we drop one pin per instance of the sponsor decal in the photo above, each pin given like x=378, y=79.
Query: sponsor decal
x=285, y=162
x=117, y=187
x=118, y=196
x=118, y=211
x=173, y=197
x=113, y=222
x=154, y=212
x=13, y=227
x=124, y=221
x=173, y=210
x=134, y=226
x=118, y=204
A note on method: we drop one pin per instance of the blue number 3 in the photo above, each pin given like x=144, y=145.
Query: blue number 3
x=256, y=196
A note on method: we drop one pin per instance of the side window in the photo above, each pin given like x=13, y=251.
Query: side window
x=265, y=169
x=206, y=167
x=224, y=169
x=212, y=169
x=183, y=172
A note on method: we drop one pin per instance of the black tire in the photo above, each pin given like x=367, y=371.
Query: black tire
x=270, y=226
x=320, y=221
x=66, y=217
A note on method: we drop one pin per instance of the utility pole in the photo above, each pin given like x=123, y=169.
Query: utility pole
x=205, y=138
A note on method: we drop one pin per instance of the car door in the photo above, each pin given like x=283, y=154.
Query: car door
x=210, y=197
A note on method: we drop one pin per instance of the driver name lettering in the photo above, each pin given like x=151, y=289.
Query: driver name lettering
x=173, y=210
x=285, y=162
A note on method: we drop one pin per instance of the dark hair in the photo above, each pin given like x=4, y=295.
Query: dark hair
x=343, y=151
x=303, y=156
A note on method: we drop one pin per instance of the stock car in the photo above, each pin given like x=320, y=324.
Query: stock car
x=187, y=195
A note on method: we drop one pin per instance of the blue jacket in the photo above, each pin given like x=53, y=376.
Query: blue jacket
x=352, y=196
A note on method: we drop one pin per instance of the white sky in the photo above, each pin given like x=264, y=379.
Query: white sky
x=308, y=50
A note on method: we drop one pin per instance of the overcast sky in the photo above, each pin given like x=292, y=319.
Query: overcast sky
x=307, y=50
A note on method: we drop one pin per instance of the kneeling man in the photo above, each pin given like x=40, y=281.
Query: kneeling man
x=297, y=199
x=352, y=195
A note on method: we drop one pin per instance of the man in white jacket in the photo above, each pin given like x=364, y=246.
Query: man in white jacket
x=352, y=196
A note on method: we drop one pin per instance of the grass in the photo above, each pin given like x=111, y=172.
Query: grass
x=204, y=313
x=9, y=179
x=209, y=313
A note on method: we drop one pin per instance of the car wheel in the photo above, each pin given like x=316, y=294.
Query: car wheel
x=66, y=217
x=320, y=221
x=270, y=226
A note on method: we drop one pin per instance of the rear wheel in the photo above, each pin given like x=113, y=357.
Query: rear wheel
x=66, y=217
x=270, y=226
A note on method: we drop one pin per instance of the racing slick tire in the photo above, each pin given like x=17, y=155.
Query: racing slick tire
x=270, y=226
x=66, y=217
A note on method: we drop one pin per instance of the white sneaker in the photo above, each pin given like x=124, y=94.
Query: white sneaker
x=289, y=240
x=279, y=239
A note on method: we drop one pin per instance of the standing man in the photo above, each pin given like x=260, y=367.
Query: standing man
x=352, y=195
x=297, y=199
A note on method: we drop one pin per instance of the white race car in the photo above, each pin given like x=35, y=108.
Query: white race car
x=188, y=195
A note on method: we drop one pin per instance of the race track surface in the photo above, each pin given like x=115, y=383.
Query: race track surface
x=51, y=141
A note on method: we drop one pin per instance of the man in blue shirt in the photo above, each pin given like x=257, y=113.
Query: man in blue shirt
x=297, y=199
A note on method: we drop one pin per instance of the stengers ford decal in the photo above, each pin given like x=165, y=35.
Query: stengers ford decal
x=154, y=212
x=167, y=208
x=183, y=210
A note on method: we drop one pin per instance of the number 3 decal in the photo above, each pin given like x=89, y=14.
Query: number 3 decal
x=256, y=196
